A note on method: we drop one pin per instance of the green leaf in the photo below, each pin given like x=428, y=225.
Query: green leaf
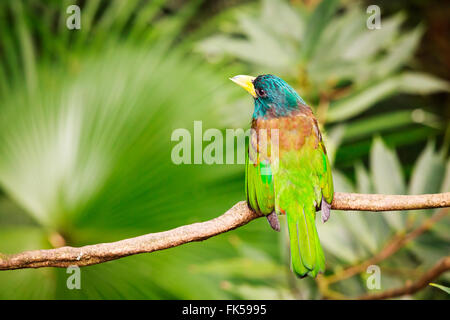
x=335, y=239
x=362, y=100
x=93, y=152
x=400, y=51
x=446, y=180
x=370, y=42
x=363, y=182
x=428, y=172
x=386, y=169
x=443, y=288
x=421, y=83
x=292, y=23
x=27, y=49
x=387, y=176
x=333, y=140
x=315, y=26
x=358, y=129
x=338, y=34
x=267, y=47
x=378, y=233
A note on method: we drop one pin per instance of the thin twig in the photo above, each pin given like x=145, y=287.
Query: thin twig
x=235, y=217
x=412, y=287
x=396, y=243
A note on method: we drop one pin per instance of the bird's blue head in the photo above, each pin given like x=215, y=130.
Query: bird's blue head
x=273, y=96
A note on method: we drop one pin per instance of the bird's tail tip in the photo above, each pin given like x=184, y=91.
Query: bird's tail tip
x=307, y=257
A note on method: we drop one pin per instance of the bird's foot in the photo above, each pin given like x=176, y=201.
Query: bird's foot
x=325, y=209
x=273, y=221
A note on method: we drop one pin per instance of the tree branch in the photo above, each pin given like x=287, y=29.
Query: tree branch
x=235, y=217
x=384, y=202
x=397, y=242
x=412, y=287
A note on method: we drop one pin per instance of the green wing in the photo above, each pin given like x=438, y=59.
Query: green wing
x=303, y=177
x=258, y=181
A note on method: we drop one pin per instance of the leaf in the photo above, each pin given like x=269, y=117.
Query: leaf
x=363, y=182
x=408, y=82
x=92, y=152
x=362, y=100
x=267, y=48
x=428, y=172
x=379, y=231
x=25, y=284
x=333, y=237
x=370, y=42
x=385, y=169
x=315, y=26
x=400, y=52
x=290, y=22
x=358, y=129
x=363, y=237
x=333, y=140
x=337, y=240
x=446, y=180
x=443, y=288
x=338, y=34
x=27, y=49
x=388, y=178
x=422, y=83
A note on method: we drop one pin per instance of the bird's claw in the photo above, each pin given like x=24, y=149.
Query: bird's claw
x=272, y=218
x=325, y=209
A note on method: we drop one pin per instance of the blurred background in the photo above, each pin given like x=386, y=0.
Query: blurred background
x=86, y=118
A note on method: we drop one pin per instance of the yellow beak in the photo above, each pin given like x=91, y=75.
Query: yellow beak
x=245, y=82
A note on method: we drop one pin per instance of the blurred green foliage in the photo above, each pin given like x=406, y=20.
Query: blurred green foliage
x=86, y=118
x=337, y=65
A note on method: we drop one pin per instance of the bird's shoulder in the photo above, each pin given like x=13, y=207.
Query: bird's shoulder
x=292, y=131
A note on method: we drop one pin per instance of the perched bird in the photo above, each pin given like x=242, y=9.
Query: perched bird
x=287, y=169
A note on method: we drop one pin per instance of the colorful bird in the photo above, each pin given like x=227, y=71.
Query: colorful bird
x=287, y=168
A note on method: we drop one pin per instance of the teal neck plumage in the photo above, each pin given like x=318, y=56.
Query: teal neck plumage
x=275, y=98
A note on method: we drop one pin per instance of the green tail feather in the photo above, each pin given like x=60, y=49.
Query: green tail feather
x=307, y=256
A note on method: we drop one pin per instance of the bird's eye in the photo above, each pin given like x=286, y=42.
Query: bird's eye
x=261, y=92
